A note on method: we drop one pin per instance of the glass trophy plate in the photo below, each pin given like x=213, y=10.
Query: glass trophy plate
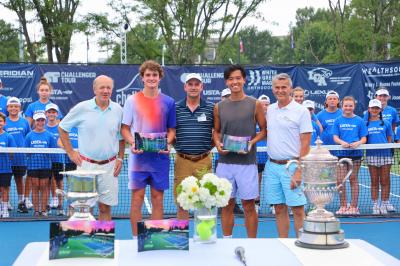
x=235, y=143
x=151, y=142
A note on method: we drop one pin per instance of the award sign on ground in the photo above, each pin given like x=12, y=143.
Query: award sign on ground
x=82, y=192
x=321, y=229
x=82, y=239
x=163, y=235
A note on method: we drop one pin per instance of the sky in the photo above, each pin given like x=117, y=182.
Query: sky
x=278, y=15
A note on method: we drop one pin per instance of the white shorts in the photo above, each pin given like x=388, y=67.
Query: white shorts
x=379, y=161
x=105, y=182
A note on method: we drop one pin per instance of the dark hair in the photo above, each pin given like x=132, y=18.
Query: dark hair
x=228, y=71
x=3, y=116
x=380, y=118
x=152, y=66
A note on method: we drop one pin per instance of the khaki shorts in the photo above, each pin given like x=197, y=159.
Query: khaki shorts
x=184, y=168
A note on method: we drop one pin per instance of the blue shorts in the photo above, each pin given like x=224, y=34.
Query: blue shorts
x=277, y=183
x=244, y=179
x=157, y=180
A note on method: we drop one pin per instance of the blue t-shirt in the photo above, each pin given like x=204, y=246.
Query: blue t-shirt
x=397, y=136
x=39, y=140
x=315, y=132
x=56, y=158
x=327, y=119
x=262, y=157
x=18, y=129
x=350, y=130
x=6, y=140
x=39, y=106
x=379, y=133
x=389, y=114
x=3, y=105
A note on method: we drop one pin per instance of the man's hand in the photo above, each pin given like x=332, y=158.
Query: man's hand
x=296, y=179
x=220, y=149
x=75, y=157
x=249, y=145
x=117, y=167
x=167, y=151
x=134, y=150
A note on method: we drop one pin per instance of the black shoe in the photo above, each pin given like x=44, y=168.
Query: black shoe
x=237, y=209
x=22, y=208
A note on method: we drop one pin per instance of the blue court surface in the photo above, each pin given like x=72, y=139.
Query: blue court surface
x=384, y=233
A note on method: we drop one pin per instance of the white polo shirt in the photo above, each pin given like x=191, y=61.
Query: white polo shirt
x=284, y=126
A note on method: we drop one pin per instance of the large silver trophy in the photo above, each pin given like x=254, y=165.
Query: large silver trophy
x=82, y=192
x=321, y=229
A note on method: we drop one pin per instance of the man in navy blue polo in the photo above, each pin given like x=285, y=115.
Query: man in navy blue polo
x=194, y=124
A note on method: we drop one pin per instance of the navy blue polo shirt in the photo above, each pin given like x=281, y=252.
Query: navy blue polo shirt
x=194, y=129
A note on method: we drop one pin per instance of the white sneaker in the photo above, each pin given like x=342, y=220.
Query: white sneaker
x=9, y=206
x=28, y=204
x=383, y=209
x=272, y=209
x=375, y=209
x=54, y=203
x=5, y=213
x=389, y=206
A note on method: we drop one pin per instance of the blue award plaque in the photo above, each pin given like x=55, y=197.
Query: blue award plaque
x=151, y=142
x=236, y=143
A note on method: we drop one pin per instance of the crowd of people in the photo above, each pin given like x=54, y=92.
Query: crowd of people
x=94, y=134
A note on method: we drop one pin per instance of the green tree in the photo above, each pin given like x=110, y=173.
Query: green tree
x=9, y=43
x=258, y=45
x=187, y=25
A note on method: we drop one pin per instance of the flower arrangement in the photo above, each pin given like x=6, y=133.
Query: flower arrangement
x=210, y=191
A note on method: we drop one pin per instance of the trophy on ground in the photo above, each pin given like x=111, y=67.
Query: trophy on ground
x=82, y=192
x=321, y=229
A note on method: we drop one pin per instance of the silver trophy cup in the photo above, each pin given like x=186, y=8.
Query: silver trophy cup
x=321, y=229
x=82, y=192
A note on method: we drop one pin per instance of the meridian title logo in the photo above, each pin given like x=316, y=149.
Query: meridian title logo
x=319, y=75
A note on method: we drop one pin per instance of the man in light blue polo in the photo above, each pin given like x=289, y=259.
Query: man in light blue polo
x=289, y=133
x=101, y=146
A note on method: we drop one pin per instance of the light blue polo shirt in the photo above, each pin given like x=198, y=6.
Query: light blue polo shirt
x=98, y=130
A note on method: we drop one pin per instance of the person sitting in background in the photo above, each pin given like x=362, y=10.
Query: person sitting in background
x=379, y=161
x=310, y=105
x=6, y=140
x=350, y=131
x=39, y=165
x=18, y=127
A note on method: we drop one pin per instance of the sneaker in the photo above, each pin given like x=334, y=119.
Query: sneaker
x=22, y=208
x=342, y=210
x=44, y=214
x=5, y=213
x=237, y=210
x=376, y=210
x=353, y=211
x=272, y=209
x=9, y=206
x=28, y=204
x=54, y=203
x=389, y=206
x=60, y=212
x=36, y=214
x=257, y=206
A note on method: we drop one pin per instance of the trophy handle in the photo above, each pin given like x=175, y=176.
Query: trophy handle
x=288, y=165
x=349, y=162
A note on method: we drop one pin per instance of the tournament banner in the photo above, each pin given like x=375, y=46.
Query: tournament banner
x=74, y=83
x=375, y=75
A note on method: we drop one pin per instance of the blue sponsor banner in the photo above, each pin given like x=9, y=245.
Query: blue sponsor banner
x=74, y=83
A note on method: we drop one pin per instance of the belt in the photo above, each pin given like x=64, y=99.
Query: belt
x=281, y=161
x=98, y=162
x=193, y=158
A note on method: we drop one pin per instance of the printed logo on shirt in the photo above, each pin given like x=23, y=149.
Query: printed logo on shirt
x=375, y=130
x=39, y=143
x=347, y=126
